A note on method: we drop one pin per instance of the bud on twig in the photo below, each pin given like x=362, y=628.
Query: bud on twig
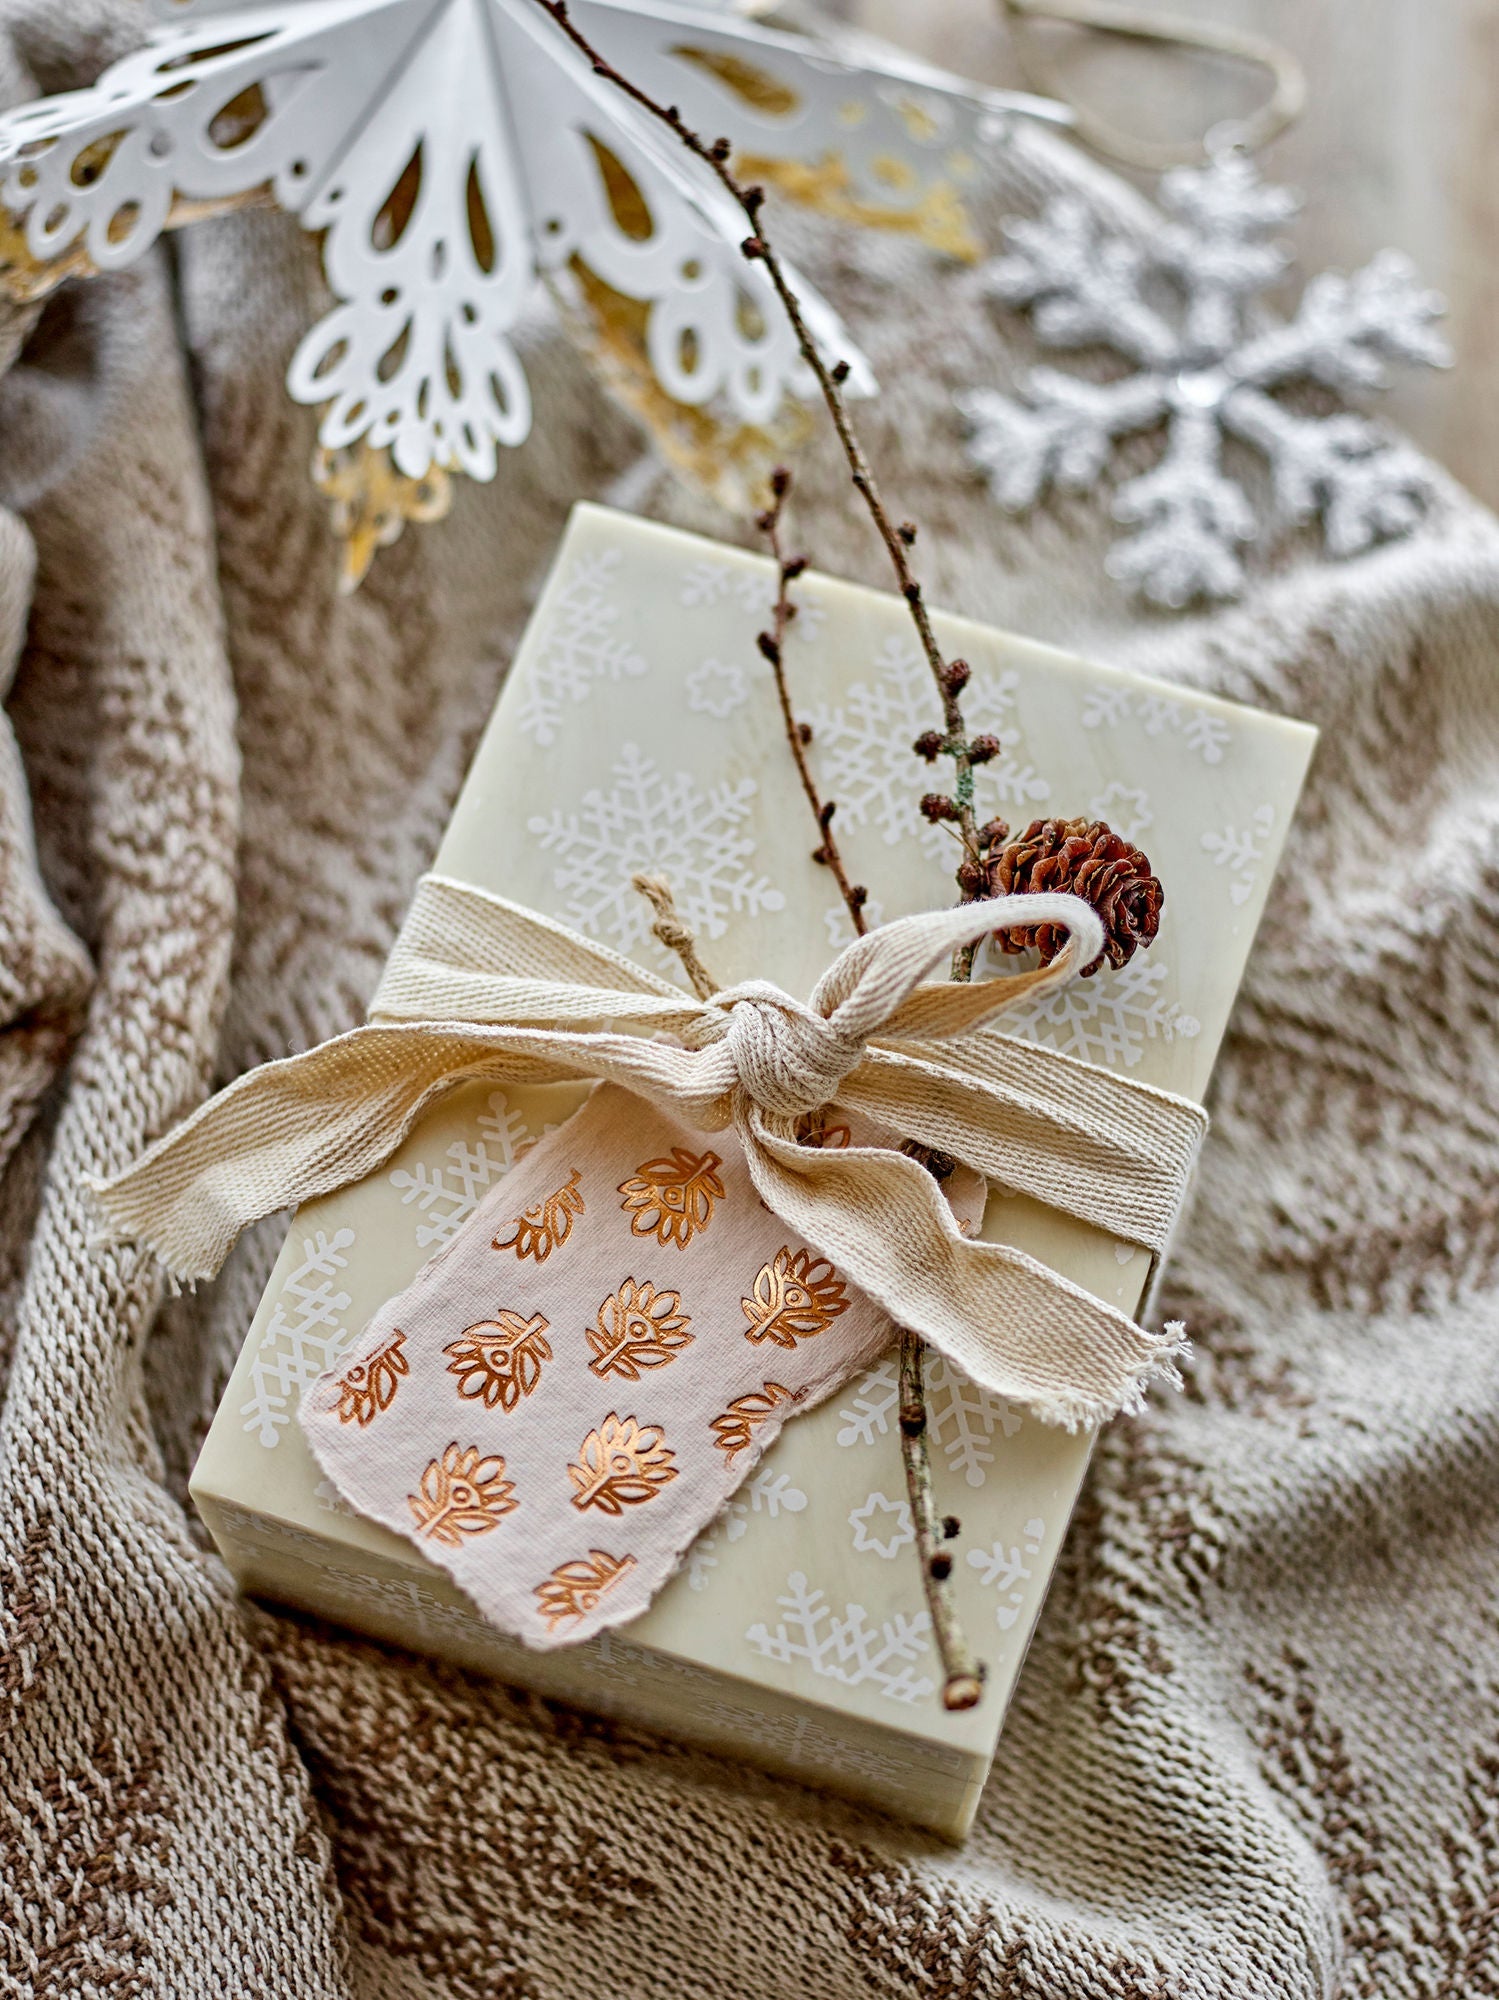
x=937, y=806
x=983, y=749
x=928, y=746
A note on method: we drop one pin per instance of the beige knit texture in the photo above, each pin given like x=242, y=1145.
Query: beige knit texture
x=1253, y=1748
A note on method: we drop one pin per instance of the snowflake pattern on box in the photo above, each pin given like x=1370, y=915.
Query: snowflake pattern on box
x=446, y=1196
x=1156, y=713
x=847, y=1648
x=1203, y=372
x=649, y=822
x=1240, y=850
x=770, y=1493
x=707, y=582
x=1006, y=1571
x=717, y=687
x=1126, y=808
x=963, y=1418
x=882, y=1526
x=862, y=749
x=306, y=1334
x=1109, y=1019
x=581, y=647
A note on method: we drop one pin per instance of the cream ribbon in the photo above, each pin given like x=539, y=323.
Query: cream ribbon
x=876, y=1037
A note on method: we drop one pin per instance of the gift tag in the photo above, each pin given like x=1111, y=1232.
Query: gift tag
x=572, y=1390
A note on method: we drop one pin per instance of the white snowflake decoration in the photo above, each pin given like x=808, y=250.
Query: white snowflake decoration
x=1156, y=713
x=1240, y=850
x=717, y=687
x=510, y=150
x=963, y=1418
x=1108, y=1019
x=882, y=1526
x=862, y=749
x=579, y=648
x=1127, y=809
x=1005, y=1571
x=714, y=583
x=770, y=1493
x=847, y=1648
x=651, y=823
x=306, y=1334
x=446, y=1196
x=1205, y=372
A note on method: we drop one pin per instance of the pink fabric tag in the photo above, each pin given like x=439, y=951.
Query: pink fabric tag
x=566, y=1395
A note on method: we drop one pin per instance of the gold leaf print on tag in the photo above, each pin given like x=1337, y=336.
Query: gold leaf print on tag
x=462, y=1493
x=793, y=1297
x=734, y=1428
x=673, y=1199
x=574, y=1588
x=546, y=1224
x=622, y=1464
x=637, y=1327
x=370, y=1386
x=499, y=1360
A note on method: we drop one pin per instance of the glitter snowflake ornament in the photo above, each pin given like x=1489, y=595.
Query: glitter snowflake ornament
x=1202, y=356
x=450, y=153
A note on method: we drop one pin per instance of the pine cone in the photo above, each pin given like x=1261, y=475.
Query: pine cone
x=1082, y=858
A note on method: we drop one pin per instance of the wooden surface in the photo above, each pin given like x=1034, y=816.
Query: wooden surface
x=1398, y=145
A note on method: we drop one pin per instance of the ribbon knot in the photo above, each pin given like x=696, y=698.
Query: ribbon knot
x=787, y=1056
x=480, y=988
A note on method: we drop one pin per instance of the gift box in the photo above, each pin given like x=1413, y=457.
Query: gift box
x=639, y=731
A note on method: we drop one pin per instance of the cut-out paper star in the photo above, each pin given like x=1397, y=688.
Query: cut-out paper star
x=452, y=152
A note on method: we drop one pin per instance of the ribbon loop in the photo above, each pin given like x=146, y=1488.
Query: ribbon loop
x=481, y=988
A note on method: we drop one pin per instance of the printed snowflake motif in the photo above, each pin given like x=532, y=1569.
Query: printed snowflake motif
x=839, y=926
x=963, y=1418
x=1006, y=1571
x=1126, y=808
x=865, y=761
x=1241, y=850
x=1199, y=728
x=848, y=1649
x=717, y=688
x=770, y=1493
x=579, y=647
x=754, y=591
x=307, y=1333
x=1205, y=373
x=882, y=1526
x=446, y=1196
x=649, y=822
x=1107, y=1020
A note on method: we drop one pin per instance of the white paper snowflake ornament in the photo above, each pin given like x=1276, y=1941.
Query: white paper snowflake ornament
x=1201, y=353
x=450, y=152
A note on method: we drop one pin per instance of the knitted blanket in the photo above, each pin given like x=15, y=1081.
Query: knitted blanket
x=1253, y=1751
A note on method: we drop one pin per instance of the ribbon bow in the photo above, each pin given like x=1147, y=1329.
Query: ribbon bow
x=916, y=1057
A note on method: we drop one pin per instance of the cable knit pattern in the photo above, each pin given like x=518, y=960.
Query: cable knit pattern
x=1252, y=1751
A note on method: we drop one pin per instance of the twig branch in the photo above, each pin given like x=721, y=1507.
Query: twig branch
x=964, y=1677
x=962, y=1681
x=898, y=538
x=799, y=734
